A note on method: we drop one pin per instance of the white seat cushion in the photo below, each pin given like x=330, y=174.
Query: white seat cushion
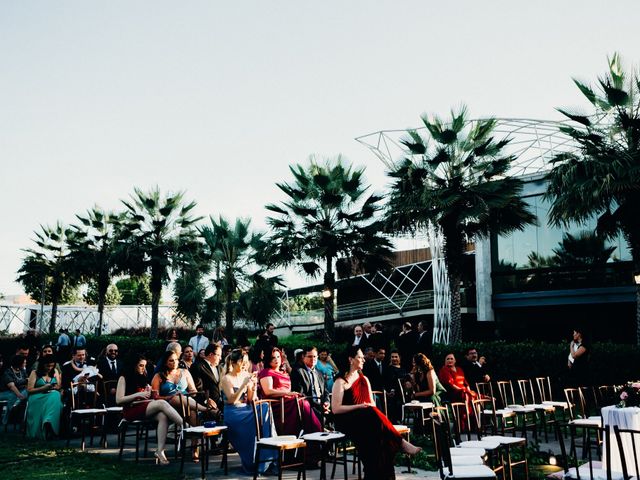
x=556, y=404
x=521, y=408
x=598, y=472
x=486, y=444
x=504, y=440
x=322, y=436
x=281, y=441
x=503, y=412
x=467, y=451
x=401, y=428
x=475, y=471
x=587, y=422
x=466, y=460
x=87, y=411
x=113, y=409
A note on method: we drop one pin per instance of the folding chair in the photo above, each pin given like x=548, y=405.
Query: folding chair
x=83, y=411
x=526, y=416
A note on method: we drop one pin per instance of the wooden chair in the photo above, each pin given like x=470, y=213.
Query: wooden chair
x=579, y=419
x=546, y=412
x=84, y=411
x=626, y=438
x=592, y=469
x=545, y=394
x=469, y=467
x=277, y=443
x=113, y=414
x=142, y=428
x=526, y=416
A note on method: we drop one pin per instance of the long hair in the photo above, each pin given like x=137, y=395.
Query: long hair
x=235, y=356
x=134, y=381
x=423, y=364
x=42, y=362
x=352, y=351
x=163, y=370
x=267, y=362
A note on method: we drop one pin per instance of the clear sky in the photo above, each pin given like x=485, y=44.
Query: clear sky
x=218, y=98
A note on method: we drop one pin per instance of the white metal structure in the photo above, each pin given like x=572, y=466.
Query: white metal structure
x=533, y=143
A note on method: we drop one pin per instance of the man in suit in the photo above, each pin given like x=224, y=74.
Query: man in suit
x=73, y=367
x=406, y=343
x=474, y=370
x=110, y=367
x=376, y=370
x=357, y=335
x=207, y=373
x=423, y=342
x=306, y=379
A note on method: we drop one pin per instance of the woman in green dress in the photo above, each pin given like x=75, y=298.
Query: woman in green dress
x=45, y=402
x=426, y=386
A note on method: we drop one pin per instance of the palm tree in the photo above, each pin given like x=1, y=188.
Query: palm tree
x=456, y=179
x=158, y=230
x=328, y=216
x=603, y=178
x=233, y=249
x=261, y=300
x=46, y=270
x=94, y=251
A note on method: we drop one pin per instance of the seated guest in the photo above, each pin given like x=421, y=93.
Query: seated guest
x=363, y=423
x=206, y=375
x=474, y=369
x=426, y=385
x=376, y=370
x=326, y=367
x=13, y=384
x=172, y=336
x=453, y=379
x=238, y=391
x=73, y=367
x=110, y=367
x=46, y=350
x=187, y=357
x=135, y=395
x=394, y=375
x=306, y=379
x=256, y=357
x=219, y=337
x=45, y=401
x=174, y=347
x=201, y=353
x=275, y=383
x=170, y=381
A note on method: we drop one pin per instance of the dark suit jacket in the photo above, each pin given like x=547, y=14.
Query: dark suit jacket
x=423, y=344
x=407, y=344
x=372, y=372
x=104, y=366
x=205, y=381
x=300, y=382
x=473, y=372
x=68, y=374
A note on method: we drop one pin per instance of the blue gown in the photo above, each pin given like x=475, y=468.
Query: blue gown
x=169, y=389
x=241, y=432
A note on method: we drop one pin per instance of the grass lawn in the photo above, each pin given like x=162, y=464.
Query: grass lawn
x=26, y=458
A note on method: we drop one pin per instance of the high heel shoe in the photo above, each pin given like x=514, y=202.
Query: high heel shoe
x=195, y=456
x=161, y=459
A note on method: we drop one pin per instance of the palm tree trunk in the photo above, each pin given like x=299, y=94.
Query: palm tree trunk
x=54, y=313
x=156, y=292
x=56, y=292
x=456, y=316
x=217, y=295
x=229, y=306
x=103, y=286
x=328, y=297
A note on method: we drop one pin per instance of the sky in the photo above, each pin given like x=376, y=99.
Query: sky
x=218, y=98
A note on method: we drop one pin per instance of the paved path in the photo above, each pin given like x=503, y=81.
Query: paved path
x=192, y=470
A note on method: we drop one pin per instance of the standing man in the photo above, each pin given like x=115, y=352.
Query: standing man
x=423, y=343
x=357, y=335
x=474, y=370
x=79, y=340
x=306, y=379
x=63, y=346
x=406, y=343
x=199, y=341
x=267, y=340
x=206, y=373
x=376, y=370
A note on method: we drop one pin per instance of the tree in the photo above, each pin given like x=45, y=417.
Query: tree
x=45, y=271
x=134, y=290
x=233, y=250
x=456, y=178
x=602, y=178
x=328, y=223
x=112, y=297
x=585, y=249
x=95, y=252
x=189, y=294
x=261, y=300
x=157, y=230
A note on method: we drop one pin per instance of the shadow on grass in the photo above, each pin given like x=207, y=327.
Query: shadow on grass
x=22, y=457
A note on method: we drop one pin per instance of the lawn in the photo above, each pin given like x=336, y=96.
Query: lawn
x=30, y=459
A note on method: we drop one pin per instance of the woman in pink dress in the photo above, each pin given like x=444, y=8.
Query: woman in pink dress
x=276, y=384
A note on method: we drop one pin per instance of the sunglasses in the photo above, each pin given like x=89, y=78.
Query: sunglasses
x=113, y=351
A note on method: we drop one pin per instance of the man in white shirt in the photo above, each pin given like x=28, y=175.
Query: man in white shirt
x=357, y=332
x=199, y=341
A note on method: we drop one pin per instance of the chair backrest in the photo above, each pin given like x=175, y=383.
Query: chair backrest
x=484, y=408
x=380, y=396
x=403, y=397
x=543, y=385
x=505, y=393
x=575, y=402
x=83, y=395
x=459, y=412
x=628, y=442
x=108, y=400
x=262, y=412
x=526, y=391
x=566, y=461
x=605, y=395
x=441, y=444
x=484, y=389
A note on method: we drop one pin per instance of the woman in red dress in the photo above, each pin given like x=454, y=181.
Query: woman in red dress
x=276, y=384
x=453, y=379
x=357, y=416
x=134, y=394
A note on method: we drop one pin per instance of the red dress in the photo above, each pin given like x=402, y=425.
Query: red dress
x=453, y=381
x=136, y=410
x=370, y=430
x=293, y=422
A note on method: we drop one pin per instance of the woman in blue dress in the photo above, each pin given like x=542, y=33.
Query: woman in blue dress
x=45, y=403
x=238, y=391
x=169, y=382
